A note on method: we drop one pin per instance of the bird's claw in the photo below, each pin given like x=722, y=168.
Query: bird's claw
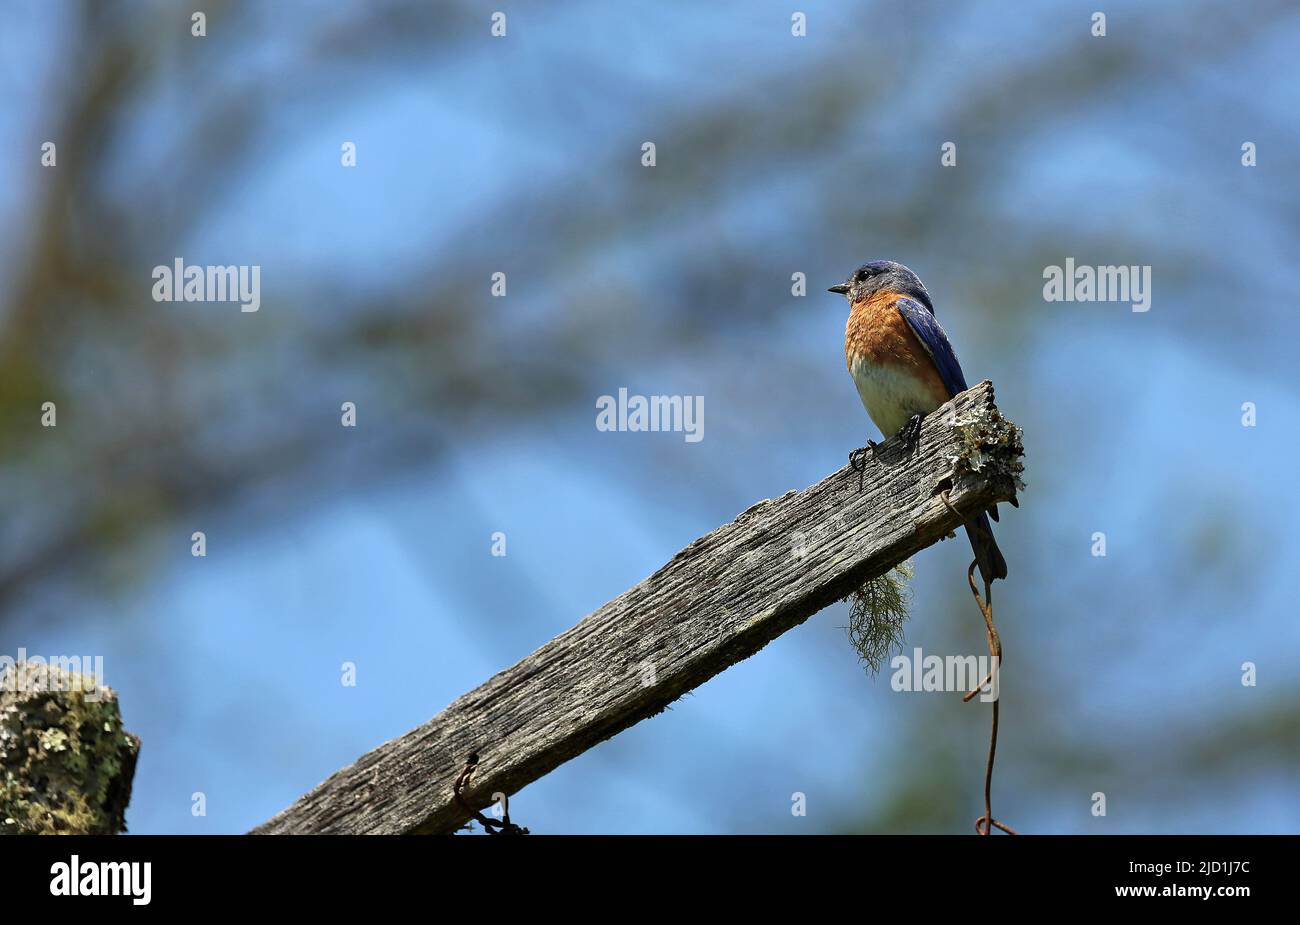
x=910, y=432
x=858, y=460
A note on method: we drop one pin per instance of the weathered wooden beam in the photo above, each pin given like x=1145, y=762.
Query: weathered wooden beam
x=719, y=600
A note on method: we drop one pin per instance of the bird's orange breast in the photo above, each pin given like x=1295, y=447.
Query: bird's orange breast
x=878, y=334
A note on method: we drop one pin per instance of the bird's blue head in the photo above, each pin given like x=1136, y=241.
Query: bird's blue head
x=883, y=276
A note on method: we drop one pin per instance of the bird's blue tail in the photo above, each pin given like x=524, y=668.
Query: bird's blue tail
x=991, y=564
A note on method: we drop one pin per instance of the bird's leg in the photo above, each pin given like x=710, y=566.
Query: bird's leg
x=858, y=460
x=910, y=432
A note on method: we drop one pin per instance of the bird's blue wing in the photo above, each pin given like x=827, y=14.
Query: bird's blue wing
x=935, y=342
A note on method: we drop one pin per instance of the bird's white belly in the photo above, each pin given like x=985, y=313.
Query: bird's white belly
x=891, y=395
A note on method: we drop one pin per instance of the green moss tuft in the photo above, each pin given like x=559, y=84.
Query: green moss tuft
x=877, y=613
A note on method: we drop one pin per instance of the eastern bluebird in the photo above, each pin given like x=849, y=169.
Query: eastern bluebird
x=904, y=368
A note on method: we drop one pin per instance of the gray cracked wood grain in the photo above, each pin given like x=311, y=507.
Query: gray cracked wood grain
x=719, y=600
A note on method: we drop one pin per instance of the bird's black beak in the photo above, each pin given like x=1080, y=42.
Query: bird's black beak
x=841, y=289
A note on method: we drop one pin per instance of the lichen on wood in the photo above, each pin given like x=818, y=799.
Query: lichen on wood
x=66, y=762
x=989, y=447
